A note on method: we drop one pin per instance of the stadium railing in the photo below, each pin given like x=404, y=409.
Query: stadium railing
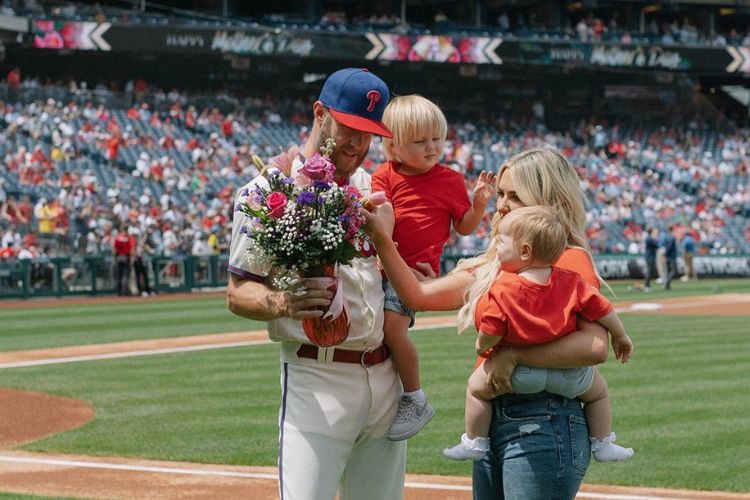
x=95, y=275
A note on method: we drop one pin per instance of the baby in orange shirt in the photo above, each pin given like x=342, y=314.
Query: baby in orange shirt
x=532, y=302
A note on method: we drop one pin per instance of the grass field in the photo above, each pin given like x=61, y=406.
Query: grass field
x=681, y=402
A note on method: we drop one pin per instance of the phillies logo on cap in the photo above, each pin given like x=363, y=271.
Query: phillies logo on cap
x=374, y=97
x=357, y=98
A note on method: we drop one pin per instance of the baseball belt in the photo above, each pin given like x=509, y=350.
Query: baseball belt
x=364, y=358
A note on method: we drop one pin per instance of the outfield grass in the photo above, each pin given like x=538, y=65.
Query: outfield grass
x=66, y=325
x=681, y=402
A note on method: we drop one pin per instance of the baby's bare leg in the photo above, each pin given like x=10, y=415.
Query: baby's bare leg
x=475, y=442
x=478, y=412
x=597, y=407
x=599, y=418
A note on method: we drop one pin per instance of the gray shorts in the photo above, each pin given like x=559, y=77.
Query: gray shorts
x=570, y=382
x=393, y=303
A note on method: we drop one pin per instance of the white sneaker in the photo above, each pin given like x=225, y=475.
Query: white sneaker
x=468, y=449
x=410, y=418
x=605, y=450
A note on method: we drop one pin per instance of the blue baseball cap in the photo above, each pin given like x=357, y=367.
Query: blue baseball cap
x=357, y=98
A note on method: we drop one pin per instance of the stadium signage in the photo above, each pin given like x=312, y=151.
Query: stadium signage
x=485, y=50
x=185, y=41
x=567, y=54
x=649, y=57
x=722, y=266
x=261, y=45
x=632, y=267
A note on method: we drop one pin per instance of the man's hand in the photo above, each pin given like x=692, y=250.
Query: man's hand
x=303, y=300
x=484, y=189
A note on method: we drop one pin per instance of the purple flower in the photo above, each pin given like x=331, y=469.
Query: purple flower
x=318, y=168
x=306, y=198
x=321, y=185
x=238, y=207
x=244, y=192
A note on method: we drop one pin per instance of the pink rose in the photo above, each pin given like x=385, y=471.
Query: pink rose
x=318, y=168
x=276, y=203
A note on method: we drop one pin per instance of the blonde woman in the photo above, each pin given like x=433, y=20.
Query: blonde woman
x=539, y=443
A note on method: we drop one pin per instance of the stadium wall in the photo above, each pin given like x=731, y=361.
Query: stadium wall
x=70, y=276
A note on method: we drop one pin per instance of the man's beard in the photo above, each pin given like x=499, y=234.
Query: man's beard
x=336, y=157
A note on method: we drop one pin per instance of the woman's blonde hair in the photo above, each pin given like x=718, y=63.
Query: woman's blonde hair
x=409, y=117
x=540, y=177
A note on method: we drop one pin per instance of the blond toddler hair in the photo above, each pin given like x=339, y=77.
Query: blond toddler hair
x=409, y=117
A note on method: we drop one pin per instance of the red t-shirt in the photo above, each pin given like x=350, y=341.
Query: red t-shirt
x=124, y=244
x=425, y=206
x=527, y=313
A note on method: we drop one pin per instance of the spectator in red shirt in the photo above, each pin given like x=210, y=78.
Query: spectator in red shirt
x=113, y=149
x=123, y=246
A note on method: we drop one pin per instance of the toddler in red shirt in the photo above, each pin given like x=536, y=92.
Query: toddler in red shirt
x=532, y=302
x=425, y=200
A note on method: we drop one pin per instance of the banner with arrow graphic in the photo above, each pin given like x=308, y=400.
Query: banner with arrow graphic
x=376, y=46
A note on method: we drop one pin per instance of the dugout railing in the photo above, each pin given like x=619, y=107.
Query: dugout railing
x=95, y=275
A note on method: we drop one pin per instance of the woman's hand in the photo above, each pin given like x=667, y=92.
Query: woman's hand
x=499, y=369
x=304, y=299
x=374, y=226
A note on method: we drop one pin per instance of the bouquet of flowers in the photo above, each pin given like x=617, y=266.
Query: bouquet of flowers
x=306, y=225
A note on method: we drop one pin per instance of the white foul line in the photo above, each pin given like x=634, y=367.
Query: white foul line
x=665, y=306
x=127, y=354
x=270, y=476
x=165, y=350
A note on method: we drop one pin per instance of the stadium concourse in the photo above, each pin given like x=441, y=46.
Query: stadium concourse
x=168, y=166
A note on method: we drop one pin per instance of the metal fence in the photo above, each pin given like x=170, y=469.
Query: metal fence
x=96, y=275
x=68, y=276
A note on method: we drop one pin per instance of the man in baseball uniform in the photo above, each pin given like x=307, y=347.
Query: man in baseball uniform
x=337, y=402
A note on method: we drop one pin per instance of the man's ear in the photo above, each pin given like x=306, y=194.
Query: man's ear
x=319, y=111
x=526, y=251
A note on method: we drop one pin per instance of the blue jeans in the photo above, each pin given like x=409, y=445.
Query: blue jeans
x=539, y=449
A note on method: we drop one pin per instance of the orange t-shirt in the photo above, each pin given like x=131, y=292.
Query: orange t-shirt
x=525, y=313
x=572, y=259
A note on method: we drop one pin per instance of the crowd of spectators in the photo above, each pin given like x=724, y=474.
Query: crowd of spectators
x=75, y=170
